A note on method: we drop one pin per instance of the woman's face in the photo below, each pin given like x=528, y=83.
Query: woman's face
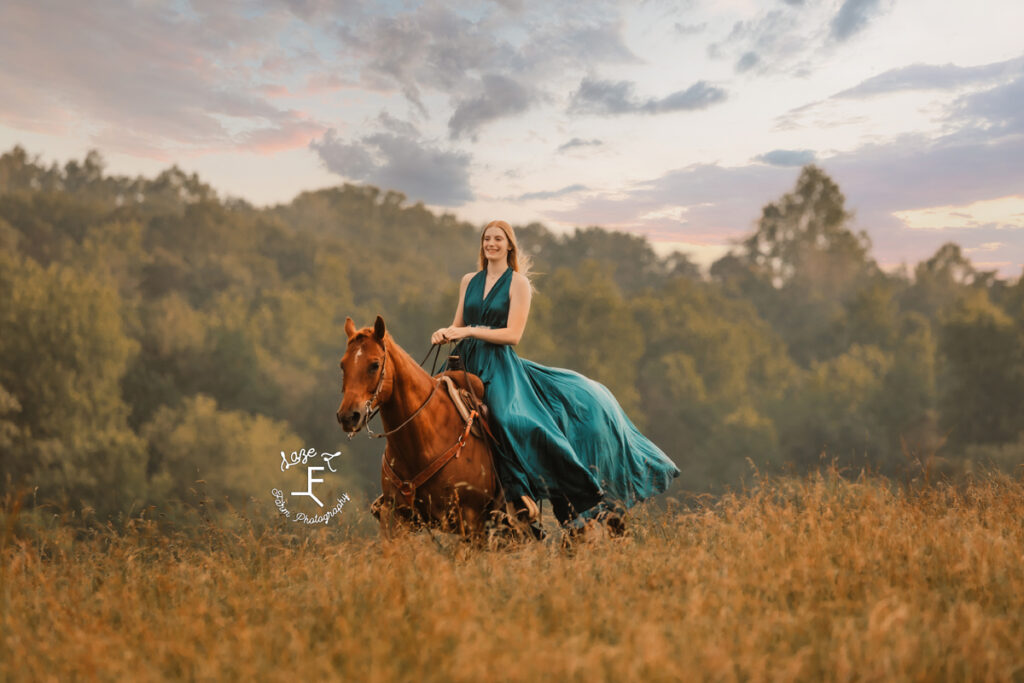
x=496, y=245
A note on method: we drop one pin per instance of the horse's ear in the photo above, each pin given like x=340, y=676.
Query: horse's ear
x=378, y=328
x=350, y=327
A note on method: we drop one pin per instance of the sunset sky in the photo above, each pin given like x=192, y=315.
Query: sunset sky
x=674, y=120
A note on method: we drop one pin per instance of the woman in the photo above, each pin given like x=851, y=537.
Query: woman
x=562, y=436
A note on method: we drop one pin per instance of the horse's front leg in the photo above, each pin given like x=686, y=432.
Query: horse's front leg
x=395, y=519
x=455, y=509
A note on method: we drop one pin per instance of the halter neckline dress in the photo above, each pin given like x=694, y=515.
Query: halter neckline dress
x=562, y=436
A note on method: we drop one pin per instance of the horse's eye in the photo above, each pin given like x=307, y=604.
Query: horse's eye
x=374, y=366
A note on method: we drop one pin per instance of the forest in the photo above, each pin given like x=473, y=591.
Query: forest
x=162, y=345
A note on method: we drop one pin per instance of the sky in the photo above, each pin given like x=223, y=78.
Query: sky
x=677, y=121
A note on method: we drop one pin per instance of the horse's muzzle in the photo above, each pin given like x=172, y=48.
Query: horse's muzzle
x=351, y=420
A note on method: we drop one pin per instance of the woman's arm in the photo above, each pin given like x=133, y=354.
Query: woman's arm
x=518, y=312
x=439, y=336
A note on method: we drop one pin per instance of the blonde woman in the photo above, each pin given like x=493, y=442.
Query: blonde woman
x=562, y=436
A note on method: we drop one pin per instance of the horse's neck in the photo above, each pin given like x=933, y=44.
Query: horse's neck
x=411, y=386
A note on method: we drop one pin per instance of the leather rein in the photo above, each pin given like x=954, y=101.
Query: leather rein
x=372, y=410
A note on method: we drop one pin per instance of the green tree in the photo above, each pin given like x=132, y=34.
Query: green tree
x=196, y=451
x=907, y=408
x=62, y=356
x=938, y=281
x=833, y=410
x=983, y=376
x=801, y=266
x=711, y=378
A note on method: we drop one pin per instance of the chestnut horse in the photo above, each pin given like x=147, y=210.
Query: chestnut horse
x=434, y=470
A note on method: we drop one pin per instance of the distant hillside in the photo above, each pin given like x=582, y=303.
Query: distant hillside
x=156, y=335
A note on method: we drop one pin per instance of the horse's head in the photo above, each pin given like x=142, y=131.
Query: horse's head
x=367, y=374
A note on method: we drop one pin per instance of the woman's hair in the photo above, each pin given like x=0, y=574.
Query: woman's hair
x=516, y=261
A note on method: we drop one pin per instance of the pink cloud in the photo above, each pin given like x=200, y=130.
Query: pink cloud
x=274, y=90
x=151, y=82
x=282, y=138
x=321, y=83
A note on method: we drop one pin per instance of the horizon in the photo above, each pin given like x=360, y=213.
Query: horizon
x=663, y=250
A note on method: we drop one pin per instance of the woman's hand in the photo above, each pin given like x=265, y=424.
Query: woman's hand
x=439, y=336
x=456, y=333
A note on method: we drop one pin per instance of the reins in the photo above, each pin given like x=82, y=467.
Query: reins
x=409, y=419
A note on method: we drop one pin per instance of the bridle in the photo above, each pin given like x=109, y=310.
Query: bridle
x=372, y=405
x=375, y=398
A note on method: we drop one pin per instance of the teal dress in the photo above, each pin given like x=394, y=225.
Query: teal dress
x=562, y=436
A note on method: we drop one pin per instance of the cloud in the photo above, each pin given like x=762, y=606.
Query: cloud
x=747, y=62
x=568, y=39
x=603, y=97
x=1004, y=213
x=986, y=246
x=610, y=98
x=319, y=9
x=852, y=18
x=145, y=81
x=398, y=161
x=552, y=194
x=910, y=173
x=396, y=125
x=512, y=6
x=773, y=41
x=282, y=137
x=579, y=142
x=435, y=48
x=501, y=97
x=349, y=160
x=931, y=77
x=997, y=106
x=700, y=95
x=787, y=157
x=998, y=110
x=152, y=78
x=793, y=36
x=695, y=200
x=431, y=48
x=690, y=29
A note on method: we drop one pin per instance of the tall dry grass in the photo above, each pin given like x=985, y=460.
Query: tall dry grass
x=816, y=579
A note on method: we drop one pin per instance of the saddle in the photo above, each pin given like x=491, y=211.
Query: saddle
x=466, y=401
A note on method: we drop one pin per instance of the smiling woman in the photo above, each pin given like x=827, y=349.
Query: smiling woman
x=562, y=436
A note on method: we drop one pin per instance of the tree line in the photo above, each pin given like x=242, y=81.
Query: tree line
x=163, y=344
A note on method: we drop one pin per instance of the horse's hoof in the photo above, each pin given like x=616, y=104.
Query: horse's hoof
x=614, y=523
x=574, y=536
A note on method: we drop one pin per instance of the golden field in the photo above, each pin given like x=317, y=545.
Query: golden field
x=813, y=579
